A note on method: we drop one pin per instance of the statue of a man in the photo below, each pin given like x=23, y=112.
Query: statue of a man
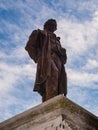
x=45, y=49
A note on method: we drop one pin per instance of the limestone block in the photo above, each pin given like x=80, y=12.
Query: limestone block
x=58, y=113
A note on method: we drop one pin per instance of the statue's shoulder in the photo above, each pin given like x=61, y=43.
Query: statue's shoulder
x=42, y=32
x=37, y=33
x=34, y=33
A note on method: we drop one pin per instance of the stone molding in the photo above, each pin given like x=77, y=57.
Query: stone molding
x=58, y=113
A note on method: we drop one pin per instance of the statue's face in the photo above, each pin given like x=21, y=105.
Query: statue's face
x=54, y=27
x=50, y=25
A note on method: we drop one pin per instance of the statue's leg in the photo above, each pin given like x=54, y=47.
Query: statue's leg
x=52, y=83
x=43, y=89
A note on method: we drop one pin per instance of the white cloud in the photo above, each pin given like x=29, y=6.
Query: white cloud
x=11, y=74
x=13, y=94
x=79, y=36
x=84, y=79
x=75, y=92
x=11, y=105
x=91, y=64
x=91, y=5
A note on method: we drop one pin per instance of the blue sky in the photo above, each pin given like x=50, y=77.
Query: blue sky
x=78, y=28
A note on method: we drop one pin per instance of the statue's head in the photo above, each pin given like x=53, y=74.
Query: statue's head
x=50, y=25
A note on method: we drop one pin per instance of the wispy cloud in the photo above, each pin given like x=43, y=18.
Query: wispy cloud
x=79, y=36
x=91, y=65
x=83, y=79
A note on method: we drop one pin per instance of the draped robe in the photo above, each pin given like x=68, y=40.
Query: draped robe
x=45, y=49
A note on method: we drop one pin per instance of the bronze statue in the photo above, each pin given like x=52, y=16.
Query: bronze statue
x=45, y=49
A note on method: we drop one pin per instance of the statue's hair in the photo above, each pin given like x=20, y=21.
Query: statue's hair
x=50, y=25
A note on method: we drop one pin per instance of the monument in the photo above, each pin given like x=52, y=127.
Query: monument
x=45, y=49
x=56, y=112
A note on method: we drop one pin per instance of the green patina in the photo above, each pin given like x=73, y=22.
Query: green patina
x=62, y=104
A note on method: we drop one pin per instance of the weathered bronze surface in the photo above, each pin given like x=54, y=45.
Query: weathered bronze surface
x=45, y=49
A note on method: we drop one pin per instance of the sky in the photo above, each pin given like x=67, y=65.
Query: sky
x=77, y=22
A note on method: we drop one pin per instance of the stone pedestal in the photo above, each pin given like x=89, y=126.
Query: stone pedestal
x=58, y=113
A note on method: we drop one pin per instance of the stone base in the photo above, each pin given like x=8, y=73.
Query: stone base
x=58, y=113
